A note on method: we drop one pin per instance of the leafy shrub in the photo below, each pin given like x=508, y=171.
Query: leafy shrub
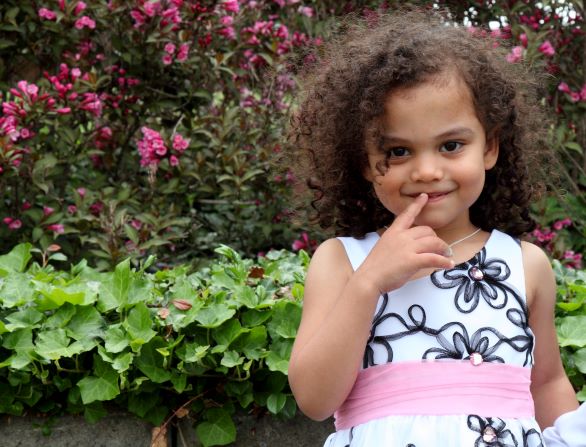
x=207, y=342
x=148, y=127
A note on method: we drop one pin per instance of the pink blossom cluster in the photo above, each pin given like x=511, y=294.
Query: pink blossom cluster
x=536, y=20
x=149, y=10
x=572, y=259
x=574, y=96
x=153, y=149
x=546, y=236
x=75, y=9
x=304, y=243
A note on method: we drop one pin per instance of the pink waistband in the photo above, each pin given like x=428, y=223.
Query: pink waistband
x=437, y=388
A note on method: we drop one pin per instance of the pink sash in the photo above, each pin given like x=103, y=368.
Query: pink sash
x=437, y=388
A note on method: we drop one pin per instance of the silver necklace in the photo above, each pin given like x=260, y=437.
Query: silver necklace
x=450, y=252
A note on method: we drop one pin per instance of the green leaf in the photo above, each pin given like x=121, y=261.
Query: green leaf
x=20, y=340
x=231, y=359
x=86, y=323
x=16, y=290
x=103, y=386
x=94, y=412
x=278, y=358
x=214, y=316
x=580, y=360
x=54, y=297
x=572, y=331
x=27, y=318
x=115, y=339
x=276, y=402
x=114, y=288
x=228, y=332
x=150, y=362
x=219, y=429
x=17, y=259
x=139, y=324
x=122, y=362
x=286, y=319
x=52, y=344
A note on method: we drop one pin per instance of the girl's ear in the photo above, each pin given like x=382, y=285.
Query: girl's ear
x=491, y=153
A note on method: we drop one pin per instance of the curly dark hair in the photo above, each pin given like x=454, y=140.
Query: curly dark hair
x=342, y=94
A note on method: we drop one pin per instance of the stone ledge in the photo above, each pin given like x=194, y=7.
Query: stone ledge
x=123, y=430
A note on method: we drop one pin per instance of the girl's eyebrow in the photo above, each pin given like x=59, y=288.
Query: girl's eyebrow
x=456, y=132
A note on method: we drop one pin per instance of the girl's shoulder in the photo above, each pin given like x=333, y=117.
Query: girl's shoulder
x=539, y=276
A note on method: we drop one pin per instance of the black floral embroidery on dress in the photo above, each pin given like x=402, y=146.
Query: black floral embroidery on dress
x=492, y=432
x=532, y=438
x=462, y=347
x=417, y=317
x=474, y=279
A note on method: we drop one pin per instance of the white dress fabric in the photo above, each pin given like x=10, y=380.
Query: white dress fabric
x=478, y=307
x=569, y=430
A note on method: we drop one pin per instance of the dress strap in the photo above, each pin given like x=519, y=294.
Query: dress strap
x=437, y=388
x=358, y=249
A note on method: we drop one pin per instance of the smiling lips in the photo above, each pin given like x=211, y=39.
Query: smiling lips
x=432, y=196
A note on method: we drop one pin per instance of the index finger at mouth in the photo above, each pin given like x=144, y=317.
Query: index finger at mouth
x=407, y=217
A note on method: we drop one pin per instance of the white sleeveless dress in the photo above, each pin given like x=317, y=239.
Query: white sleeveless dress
x=475, y=311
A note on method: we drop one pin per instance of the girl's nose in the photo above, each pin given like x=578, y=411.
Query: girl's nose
x=426, y=169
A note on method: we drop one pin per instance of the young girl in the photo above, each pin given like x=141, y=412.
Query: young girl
x=430, y=323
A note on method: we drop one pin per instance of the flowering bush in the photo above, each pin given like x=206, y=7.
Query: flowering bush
x=145, y=127
x=150, y=126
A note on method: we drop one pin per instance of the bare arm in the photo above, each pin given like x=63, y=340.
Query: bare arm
x=552, y=392
x=339, y=305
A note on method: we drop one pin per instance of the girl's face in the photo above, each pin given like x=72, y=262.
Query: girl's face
x=432, y=142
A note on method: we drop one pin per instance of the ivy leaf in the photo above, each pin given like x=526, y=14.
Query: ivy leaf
x=54, y=297
x=114, y=288
x=102, y=386
x=286, y=319
x=228, y=332
x=27, y=318
x=231, y=359
x=214, y=316
x=572, y=331
x=580, y=360
x=115, y=339
x=278, y=358
x=276, y=402
x=139, y=324
x=16, y=290
x=150, y=361
x=219, y=429
x=20, y=340
x=52, y=344
x=17, y=259
x=86, y=323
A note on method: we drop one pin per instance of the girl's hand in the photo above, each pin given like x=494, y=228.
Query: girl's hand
x=403, y=250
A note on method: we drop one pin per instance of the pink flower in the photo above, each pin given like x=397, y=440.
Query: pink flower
x=575, y=96
x=47, y=14
x=85, y=21
x=47, y=211
x=63, y=110
x=515, y=55
x=170, y=48
x=306, y=11
x=25, y=133
x=25, y=206
x=304, y=243
x=81, y=192
x=547, y=48
x=167, y=59
x=136, y=224
x=71, y=209
x=57, y=228
x=563, y=87
x=228, y=32
x=226, y=20
x=231, y=6
x=583, y=93
x=138, y=18
x=75, y=73
x=180, y=143
x=523, y=39
x=183, y=52
x=14, y=224
x=151, y=8
x=79, y=8
x=173, y=160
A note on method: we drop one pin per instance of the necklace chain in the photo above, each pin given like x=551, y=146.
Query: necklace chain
x=450, y=252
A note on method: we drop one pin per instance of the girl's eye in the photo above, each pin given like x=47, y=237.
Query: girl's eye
x=450, y=146
x=397, y=152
